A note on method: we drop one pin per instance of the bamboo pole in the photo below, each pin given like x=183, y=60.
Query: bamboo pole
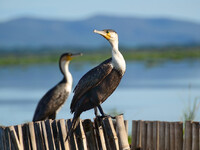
x=155, y=135
x=161, y=135
x=72, y=138
x=172, y=136
x=99, y=134
x=134, y=135
x=14, y=138
x=49, y=131
x=188, y=135
x=90, y=134
x=63, y=134
x=149, y=135
x=122, y=133
x=167, y=136
x=111, y=135
x=195, y=136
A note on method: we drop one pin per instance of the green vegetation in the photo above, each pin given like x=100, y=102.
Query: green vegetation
x=150, y=55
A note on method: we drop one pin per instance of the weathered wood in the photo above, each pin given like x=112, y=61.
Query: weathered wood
x=7, y=139
x=44, y=135
x=63, y=134
x=122, y=133
x=139, y=135
x=110, y=133
x=134, y=135
x=14, y=138
x=100, y=135
x=56, y=134
x=72, y=138
x=178, y=135
x=195, y=136
x=38, y=136
x=49, y=131
x=188, y=135
x=161, y=135
x=18, y=129
x=32, y=136
x=90, y=134
x=172, y=136
x=144, y=134
x=149, y=135
x=2, y=138
x=155, y=135
x=126, y=126
x=167, y=136
x=26, y=139
x=80, y=137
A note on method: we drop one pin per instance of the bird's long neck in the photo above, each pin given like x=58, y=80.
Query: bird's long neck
x=67, y=75
x=117, y=58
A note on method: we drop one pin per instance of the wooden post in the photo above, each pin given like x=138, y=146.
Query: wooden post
x=126, y=126
x=134, y=135
x=172, y=136
x=72, y=138
x=161, y=135
x=110, y=133
x=155, y=135
x=44, y=135
x=32, y=136
x=178, y=135
x=14, y=138
x=139, y=135
x=56, y=134
x=50, y=135
x=2, y=138
x=26, y=139
x=122, y=134
x=100, y=135
x=63, y=134
x=18, y=129
x=188, y=135
x=167, y=136
x=39, y=137
x=90, y=135
x=149, y=135
x=195, y=136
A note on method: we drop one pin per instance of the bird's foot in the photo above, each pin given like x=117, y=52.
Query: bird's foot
x=106, y=115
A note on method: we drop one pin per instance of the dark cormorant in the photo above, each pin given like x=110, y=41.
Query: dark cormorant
x=52, y=101
x=100, y=82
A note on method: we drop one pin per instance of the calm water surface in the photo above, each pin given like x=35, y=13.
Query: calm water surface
x=145, y=93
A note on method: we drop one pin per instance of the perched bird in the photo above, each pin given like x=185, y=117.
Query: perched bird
x=100, y=82
x=52, y=101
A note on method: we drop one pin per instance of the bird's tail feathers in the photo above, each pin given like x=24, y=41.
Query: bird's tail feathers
x=73, y=126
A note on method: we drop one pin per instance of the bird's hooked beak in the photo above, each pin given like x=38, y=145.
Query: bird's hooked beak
x=74, y=55
x=103, y=33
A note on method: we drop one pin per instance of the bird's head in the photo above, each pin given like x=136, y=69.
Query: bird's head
x=109, y=34
x=65, y=59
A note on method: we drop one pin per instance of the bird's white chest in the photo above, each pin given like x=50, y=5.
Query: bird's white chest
x=118, y=62
x=68, y=86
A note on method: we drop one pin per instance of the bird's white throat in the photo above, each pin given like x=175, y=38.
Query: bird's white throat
x=118, y=61
x=67, y=74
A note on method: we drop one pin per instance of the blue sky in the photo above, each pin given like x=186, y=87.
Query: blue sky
x=73, y=10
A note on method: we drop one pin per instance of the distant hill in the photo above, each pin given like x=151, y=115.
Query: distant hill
x=132, y=32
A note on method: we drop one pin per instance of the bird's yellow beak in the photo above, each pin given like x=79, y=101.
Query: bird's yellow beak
x=70, y=57
x=103, y=33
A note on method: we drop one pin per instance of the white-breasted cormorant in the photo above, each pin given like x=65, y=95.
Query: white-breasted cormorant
x=100, y=82
x=52, y=101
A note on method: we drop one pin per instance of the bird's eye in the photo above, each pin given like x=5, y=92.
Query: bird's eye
x=107, y=31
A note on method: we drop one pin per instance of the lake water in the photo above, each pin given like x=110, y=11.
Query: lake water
x=160, y=92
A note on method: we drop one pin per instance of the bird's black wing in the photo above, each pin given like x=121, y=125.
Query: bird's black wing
x=50, y=102
x=91, y=79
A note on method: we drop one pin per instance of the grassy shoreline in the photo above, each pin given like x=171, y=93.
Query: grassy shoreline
x=151, y=54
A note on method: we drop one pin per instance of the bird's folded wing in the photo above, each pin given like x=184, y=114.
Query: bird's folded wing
x=90, y=80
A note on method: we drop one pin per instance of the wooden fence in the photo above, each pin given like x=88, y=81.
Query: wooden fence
x=101, y=134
